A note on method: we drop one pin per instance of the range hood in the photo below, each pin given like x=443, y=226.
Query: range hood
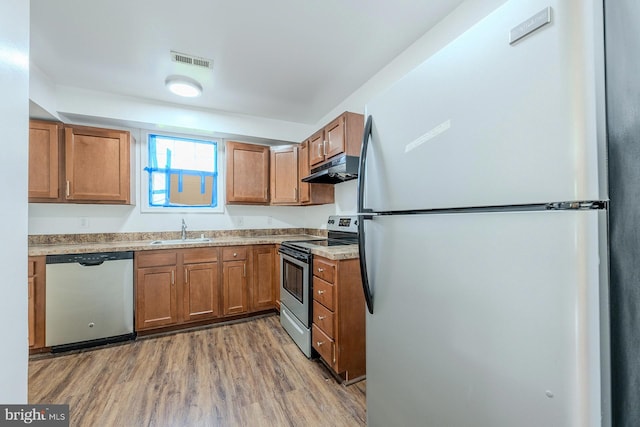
x=340, y=169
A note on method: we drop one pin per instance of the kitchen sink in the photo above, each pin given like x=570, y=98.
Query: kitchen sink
x=181, y=241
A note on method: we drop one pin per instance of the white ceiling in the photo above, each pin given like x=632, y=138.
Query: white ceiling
x=291, y=60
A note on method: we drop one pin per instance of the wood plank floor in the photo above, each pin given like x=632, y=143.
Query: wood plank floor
x=243, y=374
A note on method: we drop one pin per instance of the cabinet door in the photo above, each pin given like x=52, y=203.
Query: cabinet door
x=284, y=175
x=247, y=173
x=264, y=284
x=276, y=278
x=303, y=171
x=44, y=146
x=235, y=287
x=201, y=291
x=32, y=312
x=36, y=302
x=97, y=166
x=334, y=137
x=156, y=297
x=316, y=148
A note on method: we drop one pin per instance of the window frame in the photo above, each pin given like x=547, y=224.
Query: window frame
x=145, y=207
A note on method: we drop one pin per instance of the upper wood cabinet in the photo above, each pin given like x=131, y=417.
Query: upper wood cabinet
x=90, y=165
x=97, y=164
x=284, y=175
x=304, y=192
x=44, y=160
x=316, y=148
x=341, y=135
x=247, y=173
x=311, y=194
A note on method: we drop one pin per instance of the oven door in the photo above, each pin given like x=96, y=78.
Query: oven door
x=295, y=286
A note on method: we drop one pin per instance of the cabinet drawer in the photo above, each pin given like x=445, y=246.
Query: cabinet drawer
x=234, y=253
x=323, y=318
x=324, y=270
x=323, y=292
x=198, y=255
x=323, y=344
x=155, y=258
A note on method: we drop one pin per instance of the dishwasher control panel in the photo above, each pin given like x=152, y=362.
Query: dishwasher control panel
x=92, y=258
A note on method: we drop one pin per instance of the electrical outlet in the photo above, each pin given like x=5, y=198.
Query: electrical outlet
x=84, y=222
x=240, y=221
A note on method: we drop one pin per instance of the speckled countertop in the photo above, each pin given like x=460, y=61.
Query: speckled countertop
x=116, y=242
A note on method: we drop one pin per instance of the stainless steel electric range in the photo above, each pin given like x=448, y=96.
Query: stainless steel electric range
x=296, y=278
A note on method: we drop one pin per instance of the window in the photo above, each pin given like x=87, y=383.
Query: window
x=181, y=172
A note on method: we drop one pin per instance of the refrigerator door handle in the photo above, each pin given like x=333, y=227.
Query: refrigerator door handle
x=363, y=264
x=361, y=210
x=366, y=136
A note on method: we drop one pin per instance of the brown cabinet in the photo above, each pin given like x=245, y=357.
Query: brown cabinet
x=341, y=135
x=36, y=302
x=44, y=160
x=284, y=175
x=200, y=284
x=235, y=282
x=247, y=175
x=91, y=165
x=156, y=299
x=97, y=164
x=277, y=273
x=338, y=330
x=311, y=194
x=316, y=148
x=263, y=288
x=176, y=286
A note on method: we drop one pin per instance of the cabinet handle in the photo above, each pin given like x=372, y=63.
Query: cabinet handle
x=186, y=277
x=320, y=269
x=324, y=148
x=319, y=343
x=235, y=254
x=68, y=189
x=320, y=149
x=244, y=270
x=320, y=292
x=322, y=317
x=173, y=278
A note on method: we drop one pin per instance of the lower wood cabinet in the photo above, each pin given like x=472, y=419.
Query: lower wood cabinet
x=338, y=330
x=235, y=288
x=264, y=284
x=36, y=302
x=185, y=286
x=174, y=287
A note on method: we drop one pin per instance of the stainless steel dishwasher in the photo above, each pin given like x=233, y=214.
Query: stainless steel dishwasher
x=89, y=299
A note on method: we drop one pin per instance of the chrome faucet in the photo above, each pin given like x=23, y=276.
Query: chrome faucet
x=183, y=233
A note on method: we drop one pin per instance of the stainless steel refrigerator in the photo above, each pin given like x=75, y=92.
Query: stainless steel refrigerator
x=483, y=200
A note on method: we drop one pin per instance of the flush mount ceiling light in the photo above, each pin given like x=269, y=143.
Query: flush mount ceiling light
x=183, y=86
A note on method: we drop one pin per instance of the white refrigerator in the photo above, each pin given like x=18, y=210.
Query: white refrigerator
x=483, y=206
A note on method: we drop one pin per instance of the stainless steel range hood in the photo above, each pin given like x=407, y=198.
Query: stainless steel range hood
x=340, y=169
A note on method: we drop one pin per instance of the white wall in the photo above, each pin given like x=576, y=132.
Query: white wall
x=14, y=114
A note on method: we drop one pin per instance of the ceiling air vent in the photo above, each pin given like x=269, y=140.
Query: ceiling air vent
x=184, y=58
